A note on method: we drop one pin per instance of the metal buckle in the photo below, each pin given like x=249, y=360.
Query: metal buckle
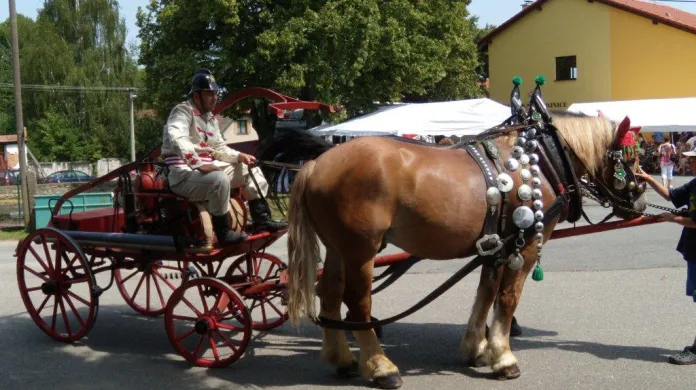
x=498, y=246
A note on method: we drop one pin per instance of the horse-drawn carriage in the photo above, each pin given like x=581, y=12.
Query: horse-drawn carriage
x=160, y=250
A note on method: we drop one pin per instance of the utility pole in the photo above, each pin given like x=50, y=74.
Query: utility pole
x=19, y=116
x=132, y=97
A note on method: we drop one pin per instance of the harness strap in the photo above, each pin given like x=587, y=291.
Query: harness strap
x=557, y=155
x=490, y=244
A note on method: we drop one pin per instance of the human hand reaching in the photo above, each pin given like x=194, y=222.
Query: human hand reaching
x=246, y=159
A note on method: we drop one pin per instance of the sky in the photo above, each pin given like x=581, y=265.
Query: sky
x=488, y=11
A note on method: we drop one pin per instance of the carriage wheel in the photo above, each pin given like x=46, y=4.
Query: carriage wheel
x=266, y=308
x=207, y=322
x=56, y=284
x=147, y=287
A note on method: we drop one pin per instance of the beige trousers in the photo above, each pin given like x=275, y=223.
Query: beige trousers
x=215, y=187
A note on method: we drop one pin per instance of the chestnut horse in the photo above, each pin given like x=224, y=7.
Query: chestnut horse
x=431, y=202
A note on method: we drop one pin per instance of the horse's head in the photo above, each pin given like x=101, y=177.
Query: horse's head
x=597, y=150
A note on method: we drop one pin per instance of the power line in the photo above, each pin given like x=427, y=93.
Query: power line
x=38, y=87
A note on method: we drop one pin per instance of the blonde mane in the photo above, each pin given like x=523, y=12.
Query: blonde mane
x=588, y=137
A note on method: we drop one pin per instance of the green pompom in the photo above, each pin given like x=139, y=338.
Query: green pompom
x=540, y=80
x=538, y=274
x=517, y=80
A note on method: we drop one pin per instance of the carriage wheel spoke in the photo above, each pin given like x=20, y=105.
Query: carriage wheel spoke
x=82, y=300
x=68, y=263
x=185, y=334
x=65, y=317
x=268, y=274
x=211, y=339
x=227, y=327
x=43, y=264
x=43, y=304
x=129, y=276
x=198, y=347
x=147, y=292
x=274, y=307
x=190, y=305
x=263, y=313
x=74, y=310
x=58, y=257
x=55, y=313
x=42, y=277
x=227, y=341
x=159, y=292
x=157, y=274
x=205, y=305
x=48, y=256
x=137, y=288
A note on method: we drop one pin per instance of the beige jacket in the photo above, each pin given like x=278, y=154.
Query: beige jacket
x=192, y=139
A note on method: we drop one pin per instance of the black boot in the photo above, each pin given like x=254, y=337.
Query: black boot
x=225, y=235
x=261, y=216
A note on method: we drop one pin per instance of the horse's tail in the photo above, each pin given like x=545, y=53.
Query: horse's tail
x=303, y=250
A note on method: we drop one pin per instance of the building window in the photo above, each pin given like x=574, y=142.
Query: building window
x=566, y=68
x=242, y=127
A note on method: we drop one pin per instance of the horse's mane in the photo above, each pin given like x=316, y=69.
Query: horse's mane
x=588, y=136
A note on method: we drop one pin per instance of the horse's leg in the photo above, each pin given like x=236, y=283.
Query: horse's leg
x=499, y=354
x=335, y=349
x=374, y=364
x=474, y=343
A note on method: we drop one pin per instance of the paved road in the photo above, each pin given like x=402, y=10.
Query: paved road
x=609, y=312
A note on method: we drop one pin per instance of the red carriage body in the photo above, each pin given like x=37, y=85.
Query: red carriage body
x=158, y=247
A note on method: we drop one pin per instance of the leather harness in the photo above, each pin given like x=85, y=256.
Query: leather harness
x=555, y=166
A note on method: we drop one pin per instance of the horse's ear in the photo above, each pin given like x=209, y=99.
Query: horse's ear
x=624, y=127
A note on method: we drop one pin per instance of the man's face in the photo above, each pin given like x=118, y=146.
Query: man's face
x=208, y=100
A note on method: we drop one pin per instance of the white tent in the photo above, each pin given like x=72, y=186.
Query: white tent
x=462, y=117
x=652, y=115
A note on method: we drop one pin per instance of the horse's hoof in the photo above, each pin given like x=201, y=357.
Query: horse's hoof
x=350, y=371
x=478, y=362
x=391, y=381
x=511, y=372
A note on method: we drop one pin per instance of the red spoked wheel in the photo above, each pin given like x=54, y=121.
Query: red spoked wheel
x=57, y=287
x=207, y=322
x=147, y=287
x=267, y=308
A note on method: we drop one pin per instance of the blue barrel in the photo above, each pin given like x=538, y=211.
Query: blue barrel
x=81, y=202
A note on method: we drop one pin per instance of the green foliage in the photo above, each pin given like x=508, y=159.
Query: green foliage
x=66, y=46
x=57, y=139
x=355, y=53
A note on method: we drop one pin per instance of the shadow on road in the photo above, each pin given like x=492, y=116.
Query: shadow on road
x=125, y=345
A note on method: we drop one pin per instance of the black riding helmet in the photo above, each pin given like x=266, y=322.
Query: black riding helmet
x=203, y=80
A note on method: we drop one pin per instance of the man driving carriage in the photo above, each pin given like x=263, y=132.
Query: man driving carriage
x=203, y=168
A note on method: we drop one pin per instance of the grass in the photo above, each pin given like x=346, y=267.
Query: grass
x=13, y=234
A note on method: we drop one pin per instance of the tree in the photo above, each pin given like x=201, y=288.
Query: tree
x=356, y=53
x=86, y=48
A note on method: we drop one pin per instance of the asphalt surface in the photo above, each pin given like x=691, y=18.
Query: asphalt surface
x=609, y=312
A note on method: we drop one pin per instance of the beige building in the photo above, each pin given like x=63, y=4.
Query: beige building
x=237, y=130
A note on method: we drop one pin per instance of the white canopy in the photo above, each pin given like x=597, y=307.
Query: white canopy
x=462, y=117
x=652, y=115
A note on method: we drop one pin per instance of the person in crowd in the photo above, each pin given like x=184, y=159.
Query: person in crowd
x=666, y=152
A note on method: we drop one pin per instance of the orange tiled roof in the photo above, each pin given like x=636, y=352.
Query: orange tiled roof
x=5, y=139
x=658, y=13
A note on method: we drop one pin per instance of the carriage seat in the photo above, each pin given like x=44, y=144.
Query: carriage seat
x=149, y=182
